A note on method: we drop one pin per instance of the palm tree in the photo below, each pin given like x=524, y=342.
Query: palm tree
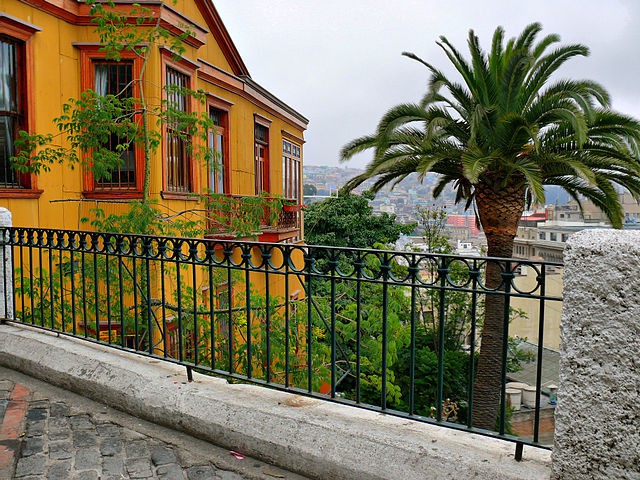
x=497, y=138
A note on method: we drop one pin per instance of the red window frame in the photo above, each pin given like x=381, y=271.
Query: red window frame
x=219, y=174
x=90, y=55
x=182, y=66
x=21, y=34
x=291, y=170
x=261, y=155
x=179, y=177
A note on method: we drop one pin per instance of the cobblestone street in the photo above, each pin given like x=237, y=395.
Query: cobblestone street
x=49, y=433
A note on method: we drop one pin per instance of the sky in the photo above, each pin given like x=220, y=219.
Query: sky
x=339, y=62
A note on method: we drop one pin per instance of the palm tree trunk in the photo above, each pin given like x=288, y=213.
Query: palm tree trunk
x=499, y=211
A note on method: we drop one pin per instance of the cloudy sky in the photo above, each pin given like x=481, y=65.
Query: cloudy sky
x=339, y=62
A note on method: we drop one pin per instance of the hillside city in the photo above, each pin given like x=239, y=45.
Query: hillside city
x=542, y=234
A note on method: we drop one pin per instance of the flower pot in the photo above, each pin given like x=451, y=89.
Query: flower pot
x=518, y=385
x=529, y=397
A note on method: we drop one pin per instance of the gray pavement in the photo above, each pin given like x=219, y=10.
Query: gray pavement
x=50, y=433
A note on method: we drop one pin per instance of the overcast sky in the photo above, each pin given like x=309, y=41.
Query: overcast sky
x=339, y=63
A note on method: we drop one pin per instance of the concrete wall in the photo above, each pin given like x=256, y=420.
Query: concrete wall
x=316, y=438
x=598, y=413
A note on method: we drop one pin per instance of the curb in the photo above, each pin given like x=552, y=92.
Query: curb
x=314, y=438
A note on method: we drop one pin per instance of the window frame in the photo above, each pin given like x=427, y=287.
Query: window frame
x=22, y=33
x=262, y=180
x=215, y=104
x=89, y=54
x=172, y=61
x=290, y=161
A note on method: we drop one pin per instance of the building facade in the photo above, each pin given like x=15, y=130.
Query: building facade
x=50, y=52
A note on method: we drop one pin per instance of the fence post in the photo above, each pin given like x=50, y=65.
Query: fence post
x=598, y=415
x=6, y=269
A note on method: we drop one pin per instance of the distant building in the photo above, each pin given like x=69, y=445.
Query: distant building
x=463, y=226
x=545, y=234
x=390, y=209
x=467, y=249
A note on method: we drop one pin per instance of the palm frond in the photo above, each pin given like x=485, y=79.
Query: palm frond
x=358, y=145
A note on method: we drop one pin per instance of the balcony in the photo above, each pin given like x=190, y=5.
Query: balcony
x=265, y=218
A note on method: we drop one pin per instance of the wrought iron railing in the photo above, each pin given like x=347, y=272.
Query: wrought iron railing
x=396, y=332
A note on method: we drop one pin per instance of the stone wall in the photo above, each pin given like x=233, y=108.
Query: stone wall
x=598, y=413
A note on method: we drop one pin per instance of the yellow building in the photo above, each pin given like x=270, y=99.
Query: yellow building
x=50, y=52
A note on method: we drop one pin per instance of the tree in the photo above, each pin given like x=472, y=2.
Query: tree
x=432, y=221
x=348, y=221
x=498, y=137
x=98, y=130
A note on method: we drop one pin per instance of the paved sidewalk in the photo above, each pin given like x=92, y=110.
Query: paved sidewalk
x=49, y=433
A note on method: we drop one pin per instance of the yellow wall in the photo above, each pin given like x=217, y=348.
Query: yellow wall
x=56, y=78
x=528, y=327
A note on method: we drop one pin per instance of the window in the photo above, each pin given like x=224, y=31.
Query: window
x=15, y=102
x=261, y=135
x=12, y=112
x=115, y=78
x=553, y=237
x=218, y=144
x=565, y=237
x=291, y=161
x=542, y=236
x=178, y=161
x=108, y=77
x=219, y=300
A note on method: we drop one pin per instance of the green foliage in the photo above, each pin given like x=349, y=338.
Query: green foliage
x=145, y=218
x=516, y=356
x=348, y=221
x=118, y=34
x=456, y=375
x=88, y=124
x=370, y=329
